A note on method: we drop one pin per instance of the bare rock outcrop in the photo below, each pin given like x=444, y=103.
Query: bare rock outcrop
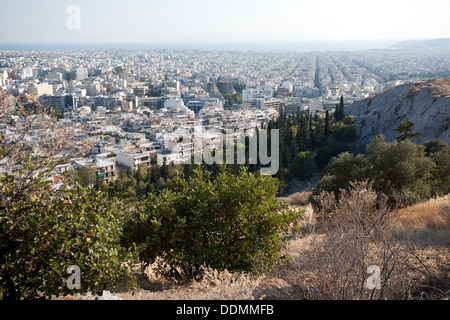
x=426, y=104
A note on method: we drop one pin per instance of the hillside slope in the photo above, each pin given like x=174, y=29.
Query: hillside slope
x=426, y=104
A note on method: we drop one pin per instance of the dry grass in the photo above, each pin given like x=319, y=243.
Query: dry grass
x=440, y=87
x=424, y=224
x=298, y=199
x=213, y=285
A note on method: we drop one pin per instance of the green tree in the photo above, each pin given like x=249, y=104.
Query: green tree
x=339, y=113
x=85, y=176
x=435, y=146
x=405, y=130
x=165, y=170
x=233, y=222
x=349, y=120
x=341, y=171
x=343, y=133
x=302, y=133
x=155, y=174
x=303, y=165
x=400, y=169
x=323, y=156
x=142, y=173
x=439, y=152
x=327, y=124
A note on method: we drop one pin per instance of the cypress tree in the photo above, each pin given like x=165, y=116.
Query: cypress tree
x=302, y=133
x=341, y=109
x=339, y=113
x=327, y=124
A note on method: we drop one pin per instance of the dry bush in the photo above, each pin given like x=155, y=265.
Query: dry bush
x=432, y=272
x=355, y=236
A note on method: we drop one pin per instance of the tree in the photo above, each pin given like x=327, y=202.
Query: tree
x=302, y=133
x=349, y=120
x=303, y=165
x=399, y=169
x=233, y=222
x=405, y=129
x=341, y=171
x=435, y=146
x=155, y=174
x=142, y=173
x=323, y=156
x=85, y=176
x=339, y=113
x=164, y=170
x=439, y=152
x=343, y=133
x=327, y=124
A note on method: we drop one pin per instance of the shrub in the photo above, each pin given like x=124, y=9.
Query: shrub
x=43, y=231
x=43, y=235
x=348, y=120
x=233, y=222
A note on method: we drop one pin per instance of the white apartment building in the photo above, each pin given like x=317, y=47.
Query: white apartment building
x=81, y=73
x=168, y=157
x=248, y=95
x=3, y=78
x=27, y=73
x=40, y=89
x=173, y=104
x=133, y=160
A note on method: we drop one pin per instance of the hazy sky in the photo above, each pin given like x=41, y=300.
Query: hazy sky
x=224, y=20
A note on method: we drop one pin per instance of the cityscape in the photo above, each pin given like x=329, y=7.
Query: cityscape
x=136, y=105
x=224, y=150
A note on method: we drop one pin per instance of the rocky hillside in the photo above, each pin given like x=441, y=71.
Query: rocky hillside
x=426, y=104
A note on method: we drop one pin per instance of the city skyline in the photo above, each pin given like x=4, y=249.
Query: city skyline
x=234, y=21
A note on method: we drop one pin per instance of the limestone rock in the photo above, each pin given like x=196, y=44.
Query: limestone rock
x=426, y=104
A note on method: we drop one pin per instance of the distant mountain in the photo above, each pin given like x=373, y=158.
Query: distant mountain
x=423, y=44
x=426, y=104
